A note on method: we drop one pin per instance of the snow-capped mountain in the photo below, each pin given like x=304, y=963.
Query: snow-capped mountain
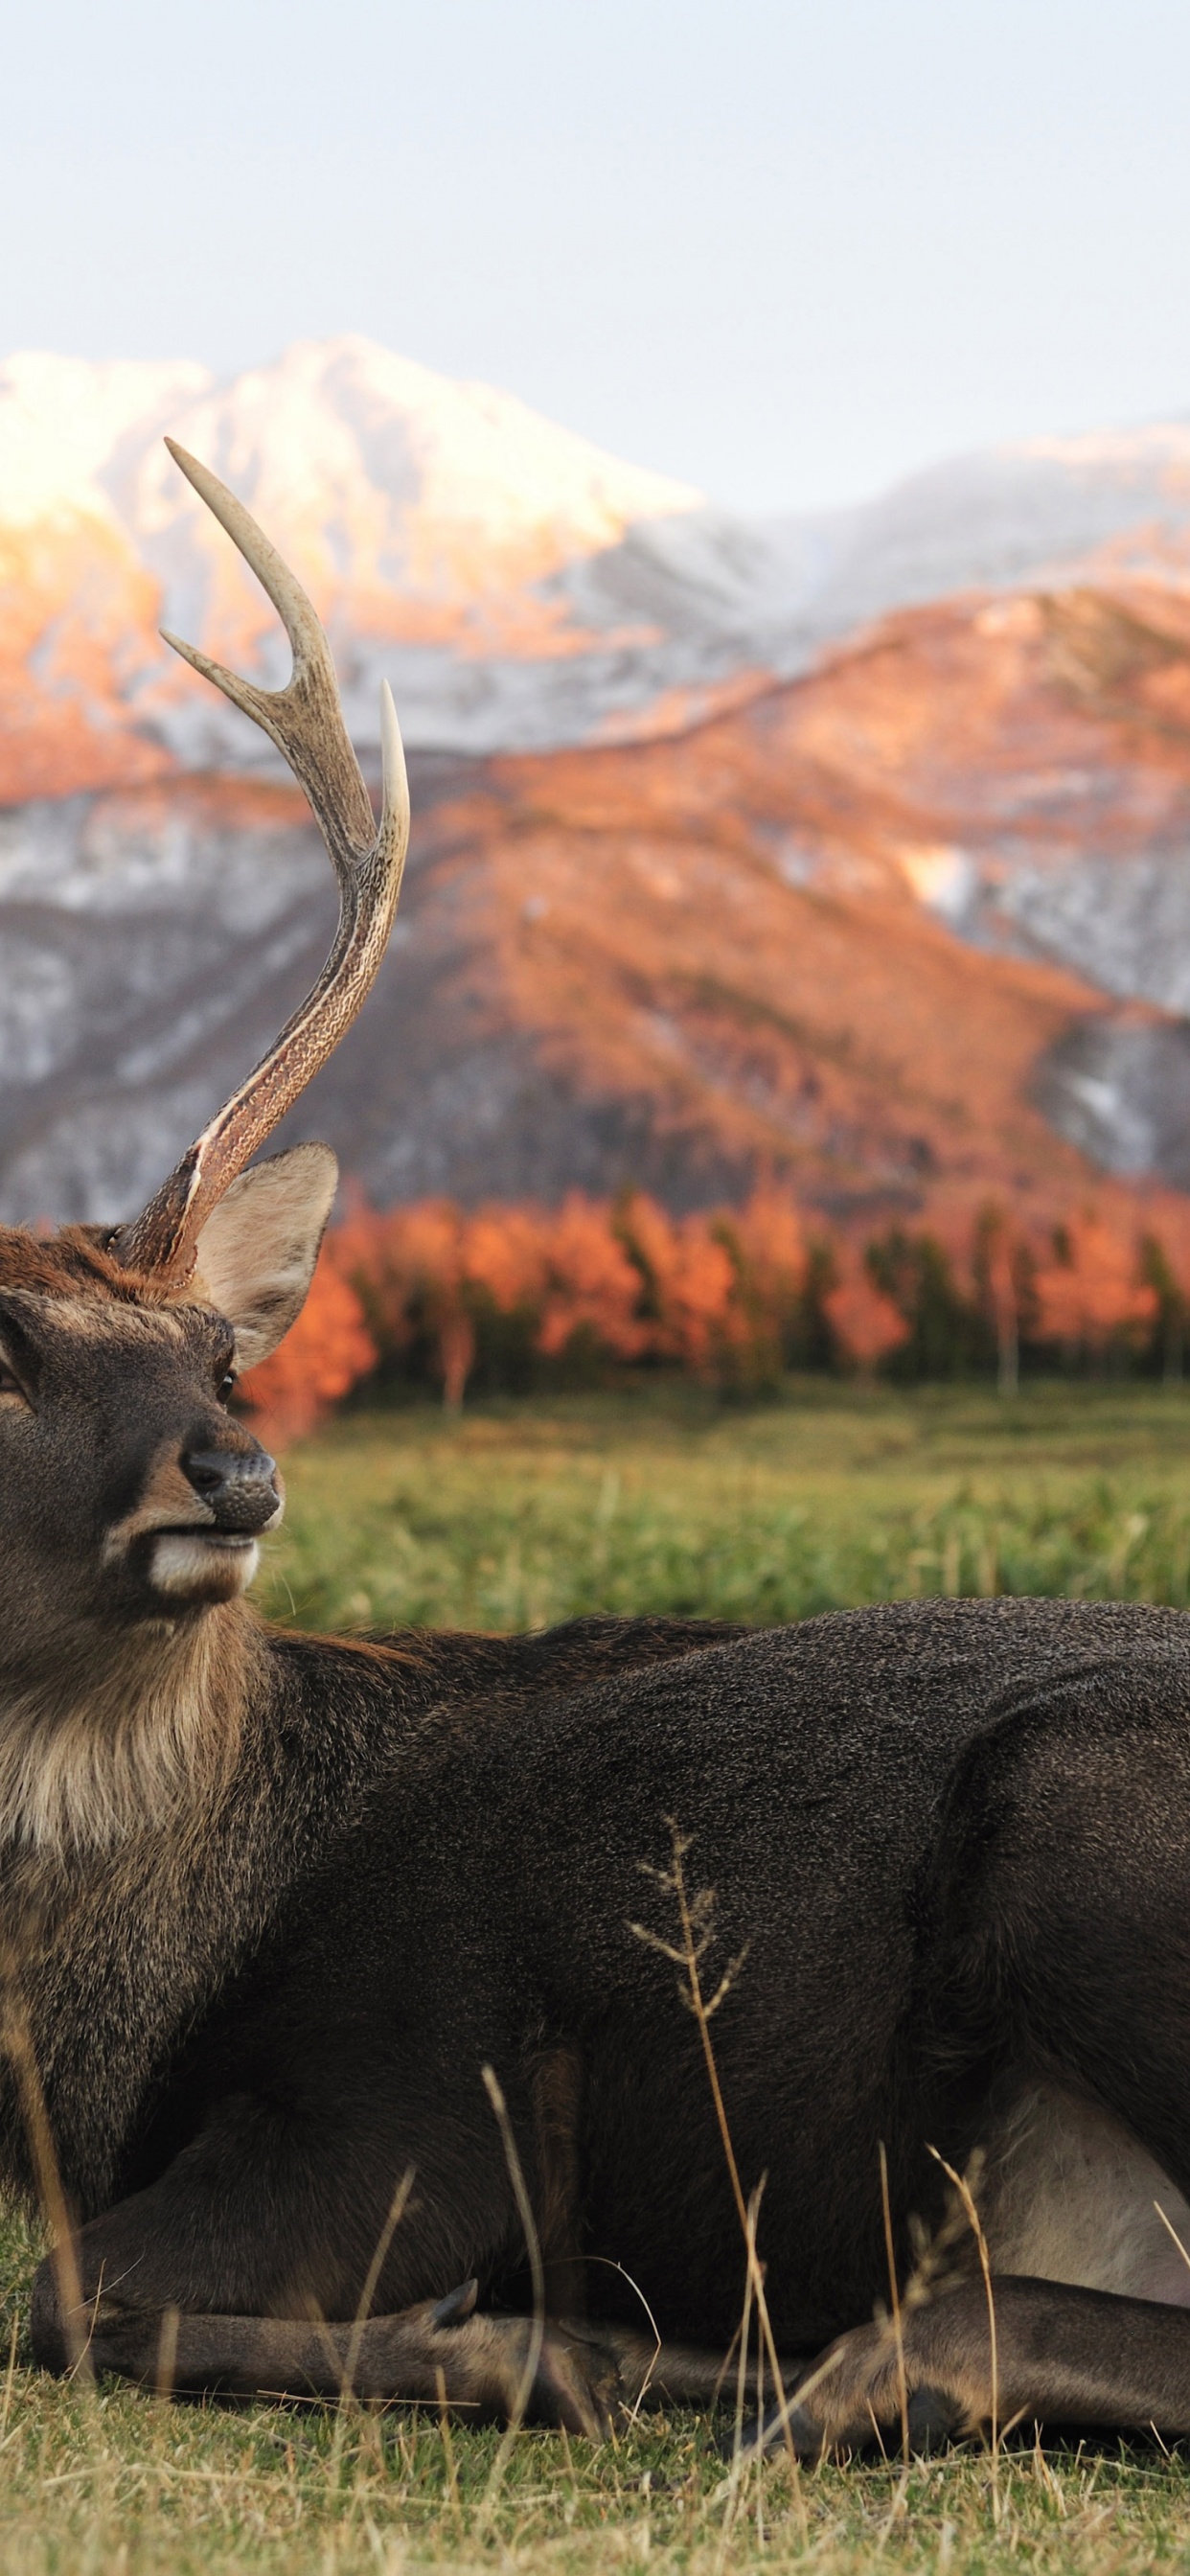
x=446, y=533
x=518, y=587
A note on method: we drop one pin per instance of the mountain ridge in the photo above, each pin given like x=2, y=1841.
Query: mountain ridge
x=520, y=588
x=853, y=851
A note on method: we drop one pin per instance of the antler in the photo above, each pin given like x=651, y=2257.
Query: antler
x=305, y=720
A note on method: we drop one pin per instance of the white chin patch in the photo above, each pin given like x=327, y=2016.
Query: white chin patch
x=192, y=1567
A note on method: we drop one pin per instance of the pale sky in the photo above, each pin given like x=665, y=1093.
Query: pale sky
x=784, y=251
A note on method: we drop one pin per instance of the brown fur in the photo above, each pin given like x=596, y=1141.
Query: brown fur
x=167, y=1498
x=95, y=1757
x=73, y=1261
x=557, y=2091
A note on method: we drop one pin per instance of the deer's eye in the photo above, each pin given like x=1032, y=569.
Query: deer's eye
x=10, y=1383
x=226, y=1386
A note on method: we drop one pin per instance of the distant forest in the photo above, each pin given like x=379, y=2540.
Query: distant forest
x=512, y=1300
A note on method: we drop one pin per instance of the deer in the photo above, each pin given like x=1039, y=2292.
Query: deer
x=342, y=2032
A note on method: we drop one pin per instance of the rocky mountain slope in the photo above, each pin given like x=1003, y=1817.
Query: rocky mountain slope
x=872, y=932
x=729, y=858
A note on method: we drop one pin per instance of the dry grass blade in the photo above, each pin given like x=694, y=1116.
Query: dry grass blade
x=696, y=1917
x=165, y=2370
x=396, y=2211
x=1169, y=2225
x=17, y=2040
x=516, y=2176
x=971, y=2214
x=608, y=2265
x=897, y=2325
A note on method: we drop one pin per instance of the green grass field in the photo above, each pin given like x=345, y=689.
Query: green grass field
x=516, y=1515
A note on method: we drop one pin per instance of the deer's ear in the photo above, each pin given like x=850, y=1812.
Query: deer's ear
x=257, y=1250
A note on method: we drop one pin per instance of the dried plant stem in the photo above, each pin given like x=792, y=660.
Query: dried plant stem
x=516, y=2176
x=448, y=2448
x=974, y=2222
x=10, y=2375
x=741, y=2375
x=17, y=2040
x=1169, y=2225
x=897, y=2325
x=396, y=2211
x=739, y=2463
x=694, y=1938
x=611, y=2266
x=167, y=2354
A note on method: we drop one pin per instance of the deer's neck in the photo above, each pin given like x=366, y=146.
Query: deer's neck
x=139, y=1853
x=124, y=1738
x=152, y=1835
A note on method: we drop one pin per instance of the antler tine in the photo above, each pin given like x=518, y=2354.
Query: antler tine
x=305, y=720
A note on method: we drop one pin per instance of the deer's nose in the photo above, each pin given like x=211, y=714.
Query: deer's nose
x=240, y=1489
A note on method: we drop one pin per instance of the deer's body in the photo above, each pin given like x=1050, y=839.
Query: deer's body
x=430, y=1862
x=270, y=1905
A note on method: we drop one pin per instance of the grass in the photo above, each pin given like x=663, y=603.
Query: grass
x=128, y=2485
x=518, y=1515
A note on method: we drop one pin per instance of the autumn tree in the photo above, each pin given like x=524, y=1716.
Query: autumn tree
x=917, y=1272
x=688, y=1283
x=1160, y=1272
x=408, y=1268
x=592, y=1289
x=1091, y=1292
x=766, y=1245
x=733, y=1296
x=322, y=1357
x=1002, y=1270
x=864, y=1321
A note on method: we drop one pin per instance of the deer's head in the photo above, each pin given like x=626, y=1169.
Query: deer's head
x=129, y=1493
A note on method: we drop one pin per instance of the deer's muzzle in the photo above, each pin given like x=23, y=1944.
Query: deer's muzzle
x=240, y=1491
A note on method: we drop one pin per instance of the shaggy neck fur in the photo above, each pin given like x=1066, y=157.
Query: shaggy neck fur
x=126, y=1738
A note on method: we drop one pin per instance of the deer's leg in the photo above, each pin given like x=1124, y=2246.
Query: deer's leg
x=240, y=2270
x=440, y=2351
x=219, y=2276
x=1062, y=2356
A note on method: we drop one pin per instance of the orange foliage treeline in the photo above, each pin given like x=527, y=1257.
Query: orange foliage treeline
x=505, y=1296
